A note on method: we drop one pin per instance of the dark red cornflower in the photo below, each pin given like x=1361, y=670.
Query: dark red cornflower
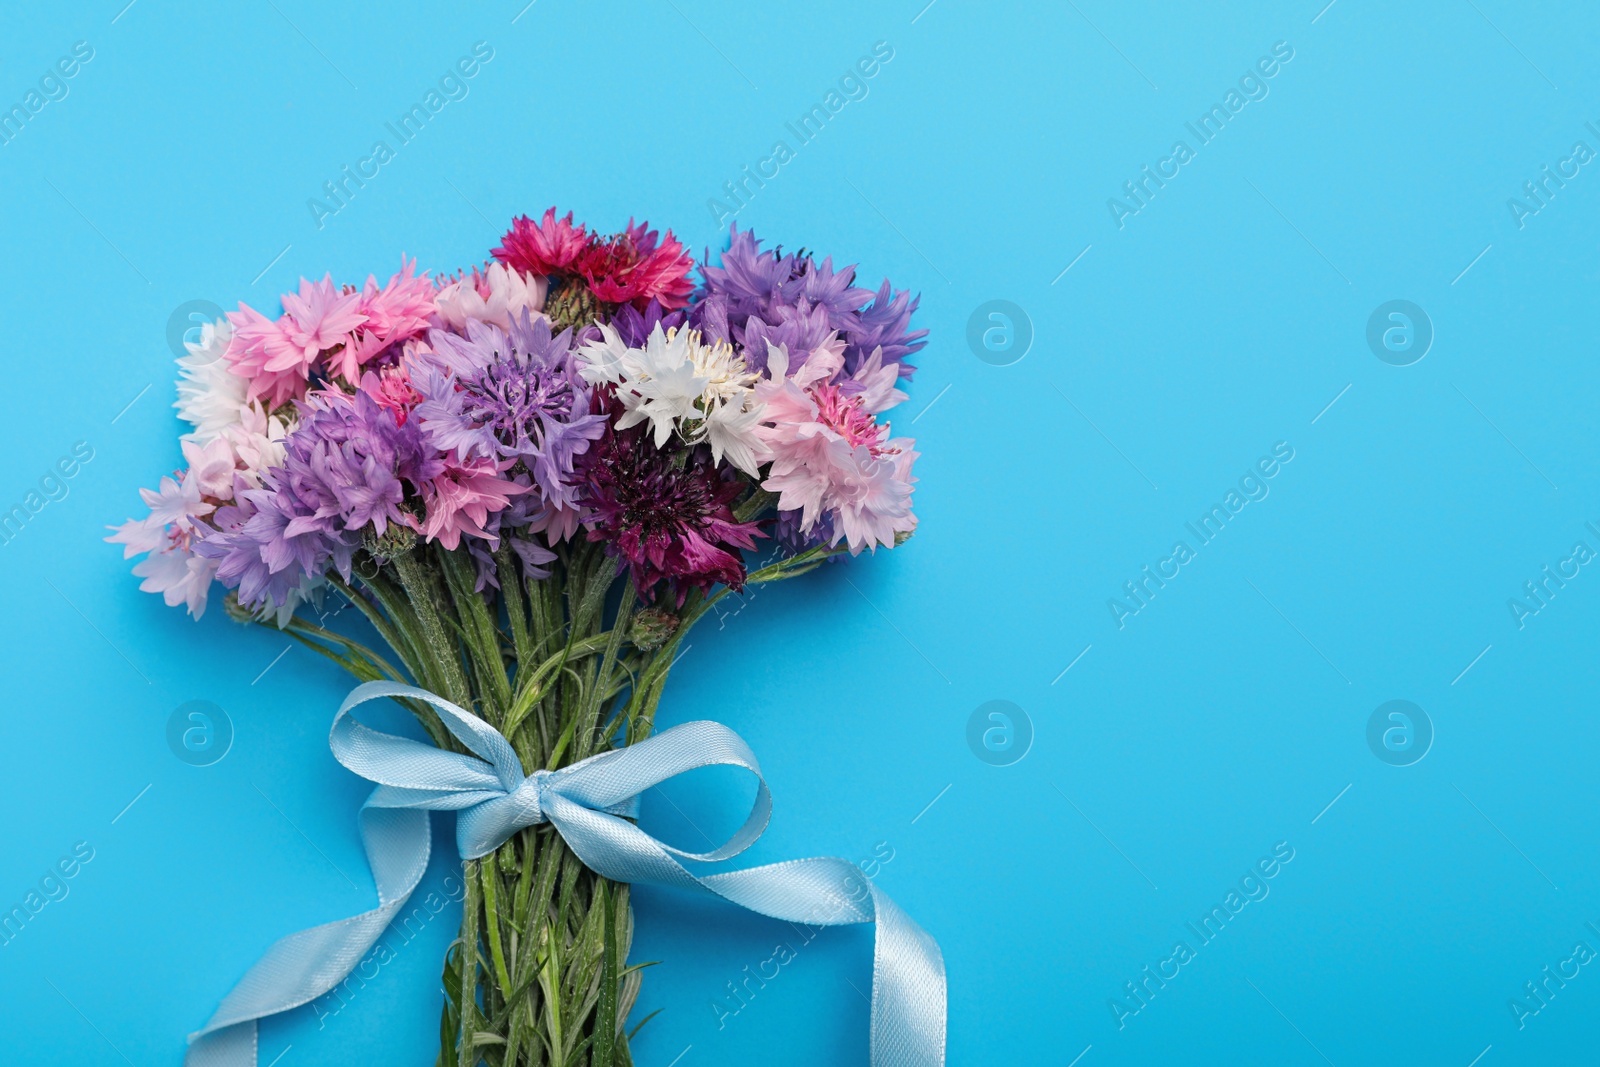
x=549, y=246
x=635, y=265
x=669, y=515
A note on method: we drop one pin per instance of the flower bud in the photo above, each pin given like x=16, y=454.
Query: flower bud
x=651, y=628
x=395, y=540
x=235, y=610
x=572, y=305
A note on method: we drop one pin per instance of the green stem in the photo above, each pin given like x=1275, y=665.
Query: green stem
x=439, y=647
x=395, y=628
x=591, y=714
x=531, y=687
x=466, y=1056
x=479, y=634
x=510, y=573
x=376, y=663
x=605, y=1027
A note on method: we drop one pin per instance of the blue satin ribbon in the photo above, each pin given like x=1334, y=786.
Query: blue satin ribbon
x=587, y=803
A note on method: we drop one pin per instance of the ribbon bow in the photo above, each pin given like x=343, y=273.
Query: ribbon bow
x=586, y=803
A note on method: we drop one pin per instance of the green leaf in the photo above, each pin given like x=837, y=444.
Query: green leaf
x=491, y=909
x=635, y=1031
x=531, y=683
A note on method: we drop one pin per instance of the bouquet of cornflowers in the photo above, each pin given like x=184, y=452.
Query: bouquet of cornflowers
x=532, y=479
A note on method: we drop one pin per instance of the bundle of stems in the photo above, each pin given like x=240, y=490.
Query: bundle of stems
x=563, y=667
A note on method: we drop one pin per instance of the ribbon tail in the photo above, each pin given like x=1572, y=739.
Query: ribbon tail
x=302, y=966
x=908, y=980
x=908, y=990
x=228, y=1047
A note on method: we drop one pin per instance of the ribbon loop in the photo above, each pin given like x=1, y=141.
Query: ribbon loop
x=590, y=804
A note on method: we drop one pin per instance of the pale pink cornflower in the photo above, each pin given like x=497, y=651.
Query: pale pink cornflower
x=495, y=295
x=830, y=456
x=461, y=499
x=169, y=534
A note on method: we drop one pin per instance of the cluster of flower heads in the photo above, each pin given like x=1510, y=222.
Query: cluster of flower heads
x=578, y=386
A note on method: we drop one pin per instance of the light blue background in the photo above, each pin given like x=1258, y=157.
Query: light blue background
x=1223, y=318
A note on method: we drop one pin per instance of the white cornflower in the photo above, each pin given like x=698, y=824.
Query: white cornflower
x=210, y=395
x=678, y=383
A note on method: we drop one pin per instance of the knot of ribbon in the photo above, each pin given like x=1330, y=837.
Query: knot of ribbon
x=590, y=804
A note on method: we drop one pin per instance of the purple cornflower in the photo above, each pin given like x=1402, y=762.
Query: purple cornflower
x=790, y=533
x=801, y=328
x=347, y=466
x=634, y=326
x=512, y=396
x=257, y=555
x=756, y=297
x=510, y=523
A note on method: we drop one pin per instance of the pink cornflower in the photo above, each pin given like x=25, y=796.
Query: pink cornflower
x=461, y=499
x=391, y=387
x=257, y=342
x=316, y=319
x=830, y=455
x=391, y=315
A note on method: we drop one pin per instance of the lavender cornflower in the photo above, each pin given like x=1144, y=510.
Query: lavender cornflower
x=349, y=465
x=515, y=395
x=756, y=297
